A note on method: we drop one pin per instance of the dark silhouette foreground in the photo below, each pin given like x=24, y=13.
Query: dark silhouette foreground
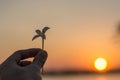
x=16, y=68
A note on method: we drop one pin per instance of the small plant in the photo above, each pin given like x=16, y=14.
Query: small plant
x=42, y=35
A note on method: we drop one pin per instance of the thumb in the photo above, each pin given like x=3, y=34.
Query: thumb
x=40, y=59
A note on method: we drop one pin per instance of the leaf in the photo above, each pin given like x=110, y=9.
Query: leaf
x=36, y=36
x=38, y=32
x=45, y=29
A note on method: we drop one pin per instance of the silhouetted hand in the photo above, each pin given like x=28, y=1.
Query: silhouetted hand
x=15, y=68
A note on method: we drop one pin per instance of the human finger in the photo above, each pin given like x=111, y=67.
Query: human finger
x=20, y=55
x=40, y=59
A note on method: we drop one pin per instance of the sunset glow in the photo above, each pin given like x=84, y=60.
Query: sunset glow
x=100, y=64
x=80, y=31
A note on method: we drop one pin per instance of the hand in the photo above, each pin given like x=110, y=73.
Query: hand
x=16, y=68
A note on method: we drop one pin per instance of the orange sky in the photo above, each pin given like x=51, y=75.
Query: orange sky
x=81, y=30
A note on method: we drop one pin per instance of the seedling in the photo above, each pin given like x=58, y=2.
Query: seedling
x=42, y=35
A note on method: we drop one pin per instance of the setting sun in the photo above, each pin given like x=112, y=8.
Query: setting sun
x=100, y=64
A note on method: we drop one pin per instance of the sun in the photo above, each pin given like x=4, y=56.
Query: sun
x=100, y=64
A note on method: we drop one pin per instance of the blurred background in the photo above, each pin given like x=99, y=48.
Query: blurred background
x=81, y=32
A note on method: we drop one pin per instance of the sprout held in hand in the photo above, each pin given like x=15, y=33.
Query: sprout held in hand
x=41, y=34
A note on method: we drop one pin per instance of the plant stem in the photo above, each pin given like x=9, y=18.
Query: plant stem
x=42, y=44
x=42, y=49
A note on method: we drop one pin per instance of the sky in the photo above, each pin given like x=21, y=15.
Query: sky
x=81, y=31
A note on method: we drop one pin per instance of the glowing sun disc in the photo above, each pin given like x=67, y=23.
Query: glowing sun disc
x=100, y=64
